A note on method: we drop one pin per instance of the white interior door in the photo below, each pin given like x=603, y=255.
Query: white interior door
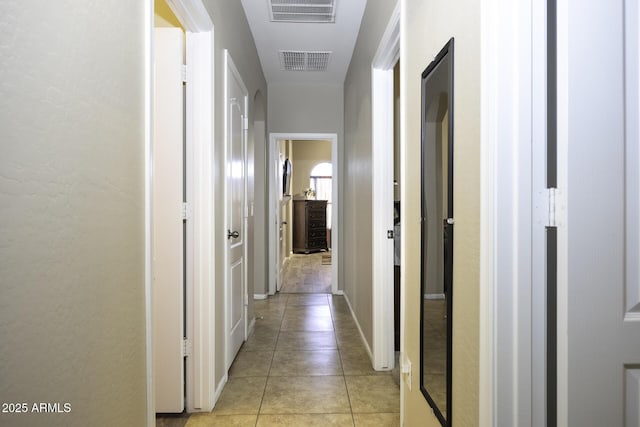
x=236, y=126
x=168, y=238
x=599, y=258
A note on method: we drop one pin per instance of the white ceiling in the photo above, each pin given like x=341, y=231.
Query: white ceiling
x=272, y=37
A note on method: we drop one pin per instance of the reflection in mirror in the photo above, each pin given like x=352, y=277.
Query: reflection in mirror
x=437, y=233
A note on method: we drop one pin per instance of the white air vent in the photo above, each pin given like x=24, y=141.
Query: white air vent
x=303, y=10
x=292, y=60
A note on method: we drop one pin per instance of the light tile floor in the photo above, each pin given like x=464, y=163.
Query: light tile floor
x=306, y=273
x=305, y=365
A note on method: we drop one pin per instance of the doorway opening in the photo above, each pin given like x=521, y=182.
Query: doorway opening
x=386, y=203
x=303, y=213
x=179, y=338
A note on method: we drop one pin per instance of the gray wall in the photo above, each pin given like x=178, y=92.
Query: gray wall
x=232, y=32
x=258, y=191
x=72, y=313
x=357, y=156
x=306, y=108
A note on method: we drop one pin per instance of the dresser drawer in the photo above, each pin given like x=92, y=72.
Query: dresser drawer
x=317, y=225
x=319, y=214
x=317, y=233
x=317, y=243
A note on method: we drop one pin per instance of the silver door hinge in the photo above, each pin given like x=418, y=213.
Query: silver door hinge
x=184, y=73
x=187, y=347
x=552, y=218
x=185, y=210
x=245, y=123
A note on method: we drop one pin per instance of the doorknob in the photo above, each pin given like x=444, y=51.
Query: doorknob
x=233, y=234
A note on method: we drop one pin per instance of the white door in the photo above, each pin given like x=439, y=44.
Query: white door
x=236, y=125
x=168, y=239
x=599, y=258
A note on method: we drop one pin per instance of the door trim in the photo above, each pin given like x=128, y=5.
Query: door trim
x=382, y=163
x=513, y=214
x=148, y=207
x=200, y=289
x=273, y=203
x=199, y=31
x=230, y=69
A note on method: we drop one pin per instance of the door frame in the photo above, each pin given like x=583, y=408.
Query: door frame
x=200, y=303
x=230, y=69
x=382, y=164
x=514, y=214
x=274, y=203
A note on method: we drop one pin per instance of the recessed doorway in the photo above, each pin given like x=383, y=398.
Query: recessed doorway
x=303, y=218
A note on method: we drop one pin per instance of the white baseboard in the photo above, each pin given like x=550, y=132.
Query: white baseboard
x=260, y=296
x=251, y=327
x=355, y=319
x=341, y=292
x=219, y=388
x=434, y=296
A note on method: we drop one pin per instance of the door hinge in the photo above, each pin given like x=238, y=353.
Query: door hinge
x=245, y=123
x=185, y=210
x=184, y=73
x=552, y=218
x=389, y=234
x=187, y=347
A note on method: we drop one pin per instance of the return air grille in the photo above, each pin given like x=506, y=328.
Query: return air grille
x=303, y=10
x=292, y=60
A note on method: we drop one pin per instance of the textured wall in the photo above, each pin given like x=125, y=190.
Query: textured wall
x=358, y=179
x=72, y=322
x=426, y=28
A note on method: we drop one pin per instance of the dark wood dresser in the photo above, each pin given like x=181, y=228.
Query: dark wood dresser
x=309, y=226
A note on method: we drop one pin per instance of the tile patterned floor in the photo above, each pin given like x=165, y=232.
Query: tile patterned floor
x=305, y=273
x=305, y=365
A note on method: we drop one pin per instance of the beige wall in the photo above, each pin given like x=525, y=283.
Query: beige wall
x=164, y=16
x=72, y=312
x=356, y=231
x=306, y=155
x=426, y=27
x=232, y=32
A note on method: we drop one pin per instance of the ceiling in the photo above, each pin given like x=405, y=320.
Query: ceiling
x=271, y=38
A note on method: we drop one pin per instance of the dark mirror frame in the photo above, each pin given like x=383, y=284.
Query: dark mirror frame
x=448, y=268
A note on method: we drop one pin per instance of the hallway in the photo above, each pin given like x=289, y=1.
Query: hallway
x=307, y=273
x=305, y=365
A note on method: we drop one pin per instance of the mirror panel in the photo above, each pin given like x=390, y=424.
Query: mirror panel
x=437, y=233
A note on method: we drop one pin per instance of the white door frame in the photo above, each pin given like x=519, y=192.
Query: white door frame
x=382, y=133
x=274, y=203
x=230, y=68
x=200, y=304
x=514, y=213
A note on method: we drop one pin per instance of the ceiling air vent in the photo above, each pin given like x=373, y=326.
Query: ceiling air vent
x=293, y=60
x=303, y=10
